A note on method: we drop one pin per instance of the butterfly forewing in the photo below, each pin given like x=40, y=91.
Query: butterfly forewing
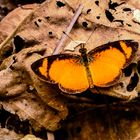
x=130, y=48
x=64, y=69
x=107, y=61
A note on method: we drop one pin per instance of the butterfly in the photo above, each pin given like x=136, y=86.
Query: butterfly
x=100, y=67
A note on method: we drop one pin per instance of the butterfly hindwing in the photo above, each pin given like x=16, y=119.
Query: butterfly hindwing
x=64, y=69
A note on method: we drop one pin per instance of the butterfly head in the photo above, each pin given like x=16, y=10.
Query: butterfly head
x=82, y=49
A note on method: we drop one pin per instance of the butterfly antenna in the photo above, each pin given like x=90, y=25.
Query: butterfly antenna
x=69, y=37
x=75, y=41
x=91, y=35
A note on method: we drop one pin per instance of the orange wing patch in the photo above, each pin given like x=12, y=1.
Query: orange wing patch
x=70, y=75
x=44, y=67
x=106, y=66
x=126, y=49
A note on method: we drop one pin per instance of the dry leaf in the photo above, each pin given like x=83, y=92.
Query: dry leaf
x=30, y=137
x=136, y=16
x=12, y=23
x=120, y=121
x=107, y=14
x=73, y=44
x=6, y=134
x=35, y=33
x=44, y=116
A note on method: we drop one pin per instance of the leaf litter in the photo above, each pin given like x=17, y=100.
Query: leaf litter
x=40, y=30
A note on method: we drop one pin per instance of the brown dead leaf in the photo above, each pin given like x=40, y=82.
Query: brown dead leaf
x=30, y=137
x=136, y=16
x=12, y=23
x=103, y=123
x=110, y=17
x=135, y=3
x=34, y=34
x=39, y=28
x=33, y=109
x=45, y=117
x=6, y=134
x=28, y=102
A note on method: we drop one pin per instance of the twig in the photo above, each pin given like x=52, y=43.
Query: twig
x=64, y=36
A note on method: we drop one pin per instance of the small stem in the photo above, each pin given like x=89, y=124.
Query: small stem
x=64, y=36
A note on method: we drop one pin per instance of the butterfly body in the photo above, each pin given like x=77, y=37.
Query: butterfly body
x=86, y=60
x=100, y=67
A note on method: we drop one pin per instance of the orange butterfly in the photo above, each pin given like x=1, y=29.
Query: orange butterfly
x=100, y=67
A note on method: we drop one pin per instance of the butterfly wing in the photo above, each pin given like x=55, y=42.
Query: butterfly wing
x=107, y=61
x=64, y=69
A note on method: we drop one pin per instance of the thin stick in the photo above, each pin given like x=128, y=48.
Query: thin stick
x=64, y=36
